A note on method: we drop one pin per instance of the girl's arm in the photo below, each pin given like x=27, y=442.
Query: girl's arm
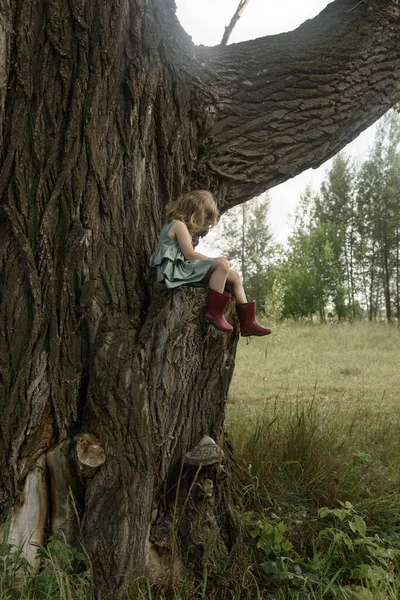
x=181, y=234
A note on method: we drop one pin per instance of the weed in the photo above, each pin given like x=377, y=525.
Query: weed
x=64, y=574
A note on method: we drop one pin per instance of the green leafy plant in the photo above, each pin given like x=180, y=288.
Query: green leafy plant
x=271, y=538
x=370, y=561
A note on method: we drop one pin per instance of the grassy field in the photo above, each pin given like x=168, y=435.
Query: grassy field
x=342, y=364
x=314, y=414
x=313, y=402
x=314, y=417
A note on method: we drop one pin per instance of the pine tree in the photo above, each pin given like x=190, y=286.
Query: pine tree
x=337, y=207
x=378, y=189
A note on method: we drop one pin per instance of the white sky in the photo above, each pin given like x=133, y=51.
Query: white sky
x=205, y=22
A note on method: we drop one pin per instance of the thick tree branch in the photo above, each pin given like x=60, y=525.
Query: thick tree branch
x=289, y=102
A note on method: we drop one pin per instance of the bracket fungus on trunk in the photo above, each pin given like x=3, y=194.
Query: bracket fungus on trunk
x=205, y=453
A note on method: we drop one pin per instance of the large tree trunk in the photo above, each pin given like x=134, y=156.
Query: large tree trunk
x=107, y=112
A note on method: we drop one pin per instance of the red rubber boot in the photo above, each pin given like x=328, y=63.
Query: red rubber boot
x=247, y=318
x=215, y=310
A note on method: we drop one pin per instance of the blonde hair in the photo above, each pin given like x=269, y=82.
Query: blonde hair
x=196, y=209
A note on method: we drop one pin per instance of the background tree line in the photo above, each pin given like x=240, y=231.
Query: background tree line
x=343, y=256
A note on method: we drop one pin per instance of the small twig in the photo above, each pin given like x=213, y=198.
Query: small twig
x=234, y=20
x=358, y=4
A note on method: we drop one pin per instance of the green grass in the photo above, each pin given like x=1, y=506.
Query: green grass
x=65, y=574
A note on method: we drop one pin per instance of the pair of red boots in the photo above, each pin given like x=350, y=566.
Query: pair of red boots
x=246, y=312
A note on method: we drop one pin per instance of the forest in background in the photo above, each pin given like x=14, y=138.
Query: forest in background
x=342, y=258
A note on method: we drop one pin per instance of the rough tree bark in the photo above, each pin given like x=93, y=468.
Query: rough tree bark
x=107, y=111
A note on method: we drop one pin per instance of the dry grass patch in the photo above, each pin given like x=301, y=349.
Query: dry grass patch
x=342, y=364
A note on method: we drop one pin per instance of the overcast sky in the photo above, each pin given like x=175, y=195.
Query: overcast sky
x=205, y=22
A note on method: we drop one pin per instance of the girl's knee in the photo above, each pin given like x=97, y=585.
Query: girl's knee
x=222, y=263
x=234, y=276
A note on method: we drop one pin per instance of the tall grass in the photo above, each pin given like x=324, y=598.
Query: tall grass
x=65, y=574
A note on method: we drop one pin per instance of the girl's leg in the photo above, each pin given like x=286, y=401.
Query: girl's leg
x=246, y=311
x=217, y=300
x=235, y=280
x=220, y=273
x=216, y=276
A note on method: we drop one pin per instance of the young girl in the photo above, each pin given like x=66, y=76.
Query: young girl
x=177, y=262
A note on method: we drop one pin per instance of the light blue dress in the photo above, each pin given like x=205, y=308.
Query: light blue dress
x=172, y=267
